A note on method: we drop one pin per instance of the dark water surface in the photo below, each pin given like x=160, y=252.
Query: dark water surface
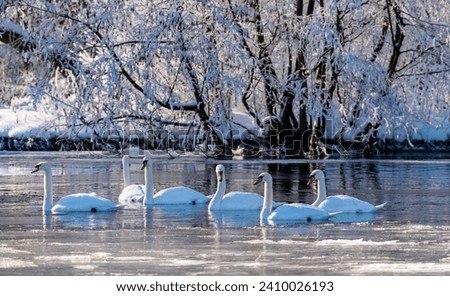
x=411, y=236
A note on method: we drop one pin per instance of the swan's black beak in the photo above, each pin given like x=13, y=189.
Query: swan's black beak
x=144, y=164
x=259, y=180
x=36, y=169
x=311, y=180
x=220, y=176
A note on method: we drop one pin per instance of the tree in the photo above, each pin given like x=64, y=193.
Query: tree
x=374, y=69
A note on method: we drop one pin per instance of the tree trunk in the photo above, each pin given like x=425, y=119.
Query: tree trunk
x=201, y=106
x=265, y=64
x=301, y=76
x=396, y=35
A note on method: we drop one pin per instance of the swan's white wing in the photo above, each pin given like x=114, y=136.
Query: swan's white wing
x=346, y=204
x=83, y=202
x=237, y=200
x=132, y=194
x=179, y=195
x=240, y=200
x=298, y=213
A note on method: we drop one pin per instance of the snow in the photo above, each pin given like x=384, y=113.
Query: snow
x=10, y=26
x=241, y=122
x=408, y=107
x=244, y=119
x=416, y=131
x=21, y=123
x=25, y=122
x=426, y=132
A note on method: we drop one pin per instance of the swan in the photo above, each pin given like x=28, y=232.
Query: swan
x=235, y=200
x=339, y=203
x=295, y=212
x=131, y=193
x=172, y=195
x=78, y=202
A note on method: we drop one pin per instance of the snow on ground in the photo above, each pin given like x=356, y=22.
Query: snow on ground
x=417, y=131
x=28, y=123
x=23, y=123
x=243, y=119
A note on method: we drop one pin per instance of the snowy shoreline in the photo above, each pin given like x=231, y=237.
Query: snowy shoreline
x=65, y=144
x=28, y=130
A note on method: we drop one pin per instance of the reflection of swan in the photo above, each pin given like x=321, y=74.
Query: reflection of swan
x=339, y=203
x=131, y=193
x=353, y=217
x=295, y=212
x=240, y=219
x=86, y=220
x=234, y=200
x=79, y=202
x=173, y=195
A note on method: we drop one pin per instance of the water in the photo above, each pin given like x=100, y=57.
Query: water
x=411, y=236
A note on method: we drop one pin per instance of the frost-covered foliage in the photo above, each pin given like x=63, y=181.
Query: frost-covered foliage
x=377, y=70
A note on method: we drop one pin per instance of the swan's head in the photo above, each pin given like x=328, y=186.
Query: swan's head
x=42, y=166
x=316, y=175
x=146, y=161
x=220, y=170
x=264, y=177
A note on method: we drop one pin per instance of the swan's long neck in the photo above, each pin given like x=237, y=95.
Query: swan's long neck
x=149, y=187
x=216, y=200
x=48, y=192
x=126, y=174
x=321, y=192
x=268, y=200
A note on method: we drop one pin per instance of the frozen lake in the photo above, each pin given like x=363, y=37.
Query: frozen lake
x=411, y=236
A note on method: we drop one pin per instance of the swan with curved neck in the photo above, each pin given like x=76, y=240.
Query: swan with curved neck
x=131, y=193
x=168, y=196
x=79, y=202
x=286, y=213
x=235, y=200
x=339, y=203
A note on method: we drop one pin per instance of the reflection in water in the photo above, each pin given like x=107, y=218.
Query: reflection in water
x=179, y=216
x=409, y=236
x=353, y=217
x=290, y=181
x=82, y=220
x=234, y=219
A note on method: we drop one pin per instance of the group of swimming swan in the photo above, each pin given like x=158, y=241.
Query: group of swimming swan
x=322, y=209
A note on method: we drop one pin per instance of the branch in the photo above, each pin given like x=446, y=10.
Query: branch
x=18, y=38
x=13, y=35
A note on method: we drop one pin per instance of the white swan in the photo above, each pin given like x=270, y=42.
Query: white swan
x=79, y=202
x=339, y=203
x=294, y=212
x=235, y=200
x=131, y=193
x=172, y=195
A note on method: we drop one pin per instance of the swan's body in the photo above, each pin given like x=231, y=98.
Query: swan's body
x=131, y=193
x=339, y=203
x=295, y=212
x=235, y=200
x=83, y=202
x=79, y=202
x=173, y=195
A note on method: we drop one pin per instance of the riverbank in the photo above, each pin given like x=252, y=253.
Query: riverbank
x=29, y=130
